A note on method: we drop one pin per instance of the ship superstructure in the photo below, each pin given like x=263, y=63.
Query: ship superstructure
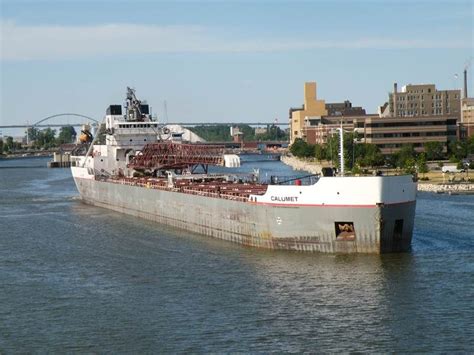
x=141, y=171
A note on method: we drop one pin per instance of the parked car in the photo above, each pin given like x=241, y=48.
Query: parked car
x=451, y=169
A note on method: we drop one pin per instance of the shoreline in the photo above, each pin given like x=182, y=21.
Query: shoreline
x=448, y=188
x=460, y=188
x=298, y=164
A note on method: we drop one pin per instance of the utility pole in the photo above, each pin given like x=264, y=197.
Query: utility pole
x=341, y=148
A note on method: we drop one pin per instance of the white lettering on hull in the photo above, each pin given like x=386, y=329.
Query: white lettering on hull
x=284, y=198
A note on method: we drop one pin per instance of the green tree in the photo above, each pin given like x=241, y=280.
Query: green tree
x=409, y=165
x=332, y=150
x=9, y=144
x=32, y=134
x=298, y=147
x=320, y=152
x=470, y=145
x=391, y=160
x=434, y=150
x=217, y=133
x=302, y=149
x=66, y=134
x=458, y=149
x=1, y=146
x=369, y=155
x=46, y=138
x=406, y=156
x=421, y=164
x=273, y=133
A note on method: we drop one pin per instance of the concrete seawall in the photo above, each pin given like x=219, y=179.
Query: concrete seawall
x=446, y=188
x=299, y=164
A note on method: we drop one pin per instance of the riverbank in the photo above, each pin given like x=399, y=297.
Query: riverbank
x=28, y=155
x=299, y=164
x=437, y=183
x=461, y=188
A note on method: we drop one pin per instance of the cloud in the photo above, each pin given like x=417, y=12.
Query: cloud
x=55, y=42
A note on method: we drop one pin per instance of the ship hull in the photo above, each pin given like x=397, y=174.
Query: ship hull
x=378, y=228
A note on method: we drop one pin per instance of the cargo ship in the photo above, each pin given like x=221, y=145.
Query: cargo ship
x=136, y=166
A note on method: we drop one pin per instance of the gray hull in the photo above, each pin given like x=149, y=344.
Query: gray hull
x=378, y=229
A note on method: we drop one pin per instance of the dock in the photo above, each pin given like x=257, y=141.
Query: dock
x=60, y=160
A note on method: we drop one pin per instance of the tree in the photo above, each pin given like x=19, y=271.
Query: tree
x=409, y=165
x=1, y=146
x=67, y=134
x=421, y=164
x=217, y=133
x=332, y=150
x=320, y=152
x=434, y=150
x=470, y=145
x=391, y=160
x=406, y=156
x=353, y=152
x=32, y=134
x=458, y=149
x=8, y=146
x=46, y=138
x=273, y=133
x=299, y=147
x=369, y=155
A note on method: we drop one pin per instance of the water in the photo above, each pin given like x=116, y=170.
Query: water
x=79, y=278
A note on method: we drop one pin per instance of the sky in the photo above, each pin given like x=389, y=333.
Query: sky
x=224, y=61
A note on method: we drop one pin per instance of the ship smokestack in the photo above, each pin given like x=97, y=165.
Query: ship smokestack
x=465, y=83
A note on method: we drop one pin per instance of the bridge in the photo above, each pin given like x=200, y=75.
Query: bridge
x=41, y=123
x=44, y=122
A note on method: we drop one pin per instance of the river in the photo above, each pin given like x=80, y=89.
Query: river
x=79, y=278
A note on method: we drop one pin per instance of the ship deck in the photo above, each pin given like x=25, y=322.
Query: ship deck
x=217, y=187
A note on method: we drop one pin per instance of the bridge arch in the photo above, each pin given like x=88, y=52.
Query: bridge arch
x=64, y=114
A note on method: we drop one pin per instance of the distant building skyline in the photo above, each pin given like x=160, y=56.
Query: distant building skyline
x=417, y=114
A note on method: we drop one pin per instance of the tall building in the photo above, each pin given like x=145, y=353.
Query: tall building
x=312, y=107
x=344, y=109
x=415, y=115
x=391, y=133
x=424, y=100
x=467, y=113
x=467, y=118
